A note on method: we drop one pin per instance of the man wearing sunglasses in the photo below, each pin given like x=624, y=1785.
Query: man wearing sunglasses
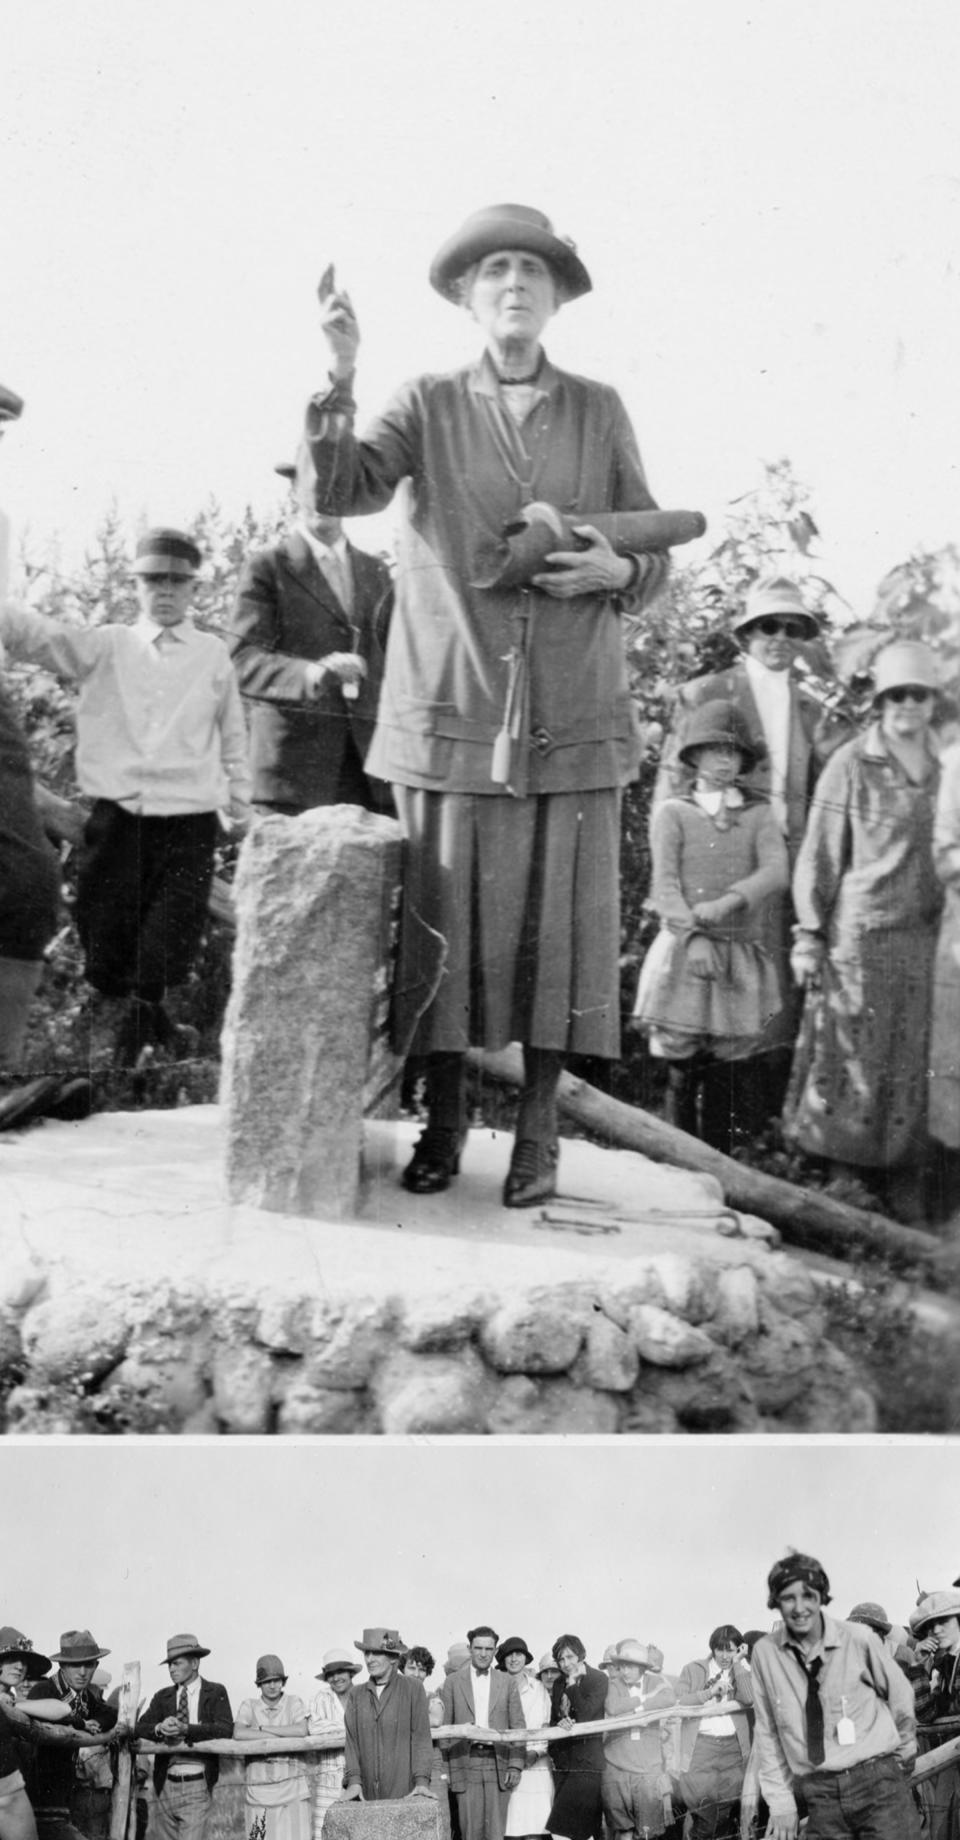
x=794, y=735
x=161, y=752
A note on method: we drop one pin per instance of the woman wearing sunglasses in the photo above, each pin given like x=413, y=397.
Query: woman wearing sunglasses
x=868, y=903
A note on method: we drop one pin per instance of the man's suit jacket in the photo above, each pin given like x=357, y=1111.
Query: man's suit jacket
x=814, y=735
x=286, y=616
x=215, y=1721
x=53, y=1774
x=506, y=1714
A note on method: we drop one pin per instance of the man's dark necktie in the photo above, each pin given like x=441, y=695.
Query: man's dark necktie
x=81, y=1708
x=183, y=1708
x=814, y=1710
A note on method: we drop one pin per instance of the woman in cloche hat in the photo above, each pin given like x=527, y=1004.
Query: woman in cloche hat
x=708, y=988
x=338, y=1672
x=276, y=1789
x=528, y=1809
x=868, y=904
x=505, y=723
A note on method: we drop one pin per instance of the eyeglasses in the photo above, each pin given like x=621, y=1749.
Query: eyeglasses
x=792, y=629
x=908, y=693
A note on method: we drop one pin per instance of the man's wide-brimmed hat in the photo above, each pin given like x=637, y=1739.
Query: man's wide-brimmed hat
x=381, y=1641
x=178, y=1646
x=11, y=405
x=931, y=1608
x=632, y=1650
x=16, y=1647
x=78, y=1646
x=337, y=1661
x=163, y=551
x=874, y=1615
x=907, y=662
x=777, y=598
x=719, y=724
x=508, y=226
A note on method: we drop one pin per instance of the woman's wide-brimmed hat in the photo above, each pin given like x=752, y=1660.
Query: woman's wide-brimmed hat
x=931, y=1608
x=381, y=1641
x=547, y=1665
x=338, y=1661
x=513, y=1645
x=906, y=662
x=772, y=599
x=720, y=724
x=178, y=1646
x=78, y=1646
x=16, y=1647
x=508, y=226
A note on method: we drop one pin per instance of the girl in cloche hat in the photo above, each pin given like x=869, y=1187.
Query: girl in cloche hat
x=708, y=988
x=276, y=1789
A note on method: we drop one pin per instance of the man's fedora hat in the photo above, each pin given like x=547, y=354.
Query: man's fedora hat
x=767, y=599
x=163, y=551
x=178, y=1646
x=11, y=405
x=337, y=1661
x=508, y=226
x=931, y=1608
x=631, y=1650
x=17, y=1647
x=381, y=1641
x=78, y=1646
x=719, y=724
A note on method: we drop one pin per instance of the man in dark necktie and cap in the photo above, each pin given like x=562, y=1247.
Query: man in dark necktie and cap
x=835, y=1722
x=186, y=1712
x=72, y=1788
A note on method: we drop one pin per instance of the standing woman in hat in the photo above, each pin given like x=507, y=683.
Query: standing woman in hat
x=276, y=1790
x=868, y=904
x=708, y=988
x=528, y=1809
x=505, y=723
x=337, y=1674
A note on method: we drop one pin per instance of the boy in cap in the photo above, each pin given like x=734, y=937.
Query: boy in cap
x=186, y=1712
x=635, y=1786
x=161, y=750
x=835, y=1724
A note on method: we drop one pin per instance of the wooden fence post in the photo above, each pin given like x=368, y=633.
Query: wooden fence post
x=122, y=1800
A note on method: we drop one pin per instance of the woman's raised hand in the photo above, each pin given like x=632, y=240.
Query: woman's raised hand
x=338, y=323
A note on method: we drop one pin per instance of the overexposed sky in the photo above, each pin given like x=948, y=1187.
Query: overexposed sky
x=292, y=1547
x=766, y=195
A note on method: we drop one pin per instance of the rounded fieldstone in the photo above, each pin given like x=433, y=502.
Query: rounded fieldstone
x=788, y=1285
x=348, y=1342
x=608, y=1360
x=780, y=1365
x=317, y=1411
x=664, y=1340
x=714, y=1397
x=551, y=1408
x=432, y=1395
x=76, y=1335
x=530, y=1335
x=22, y=1280
x=431, y=1323
x=175, y=1388
x=736, y=1312
x=243, y=1387
x=11, y=1346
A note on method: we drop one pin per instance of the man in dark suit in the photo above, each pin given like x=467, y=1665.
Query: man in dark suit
x=307, y=638
x=482, y=1775
x=74, y=1786
x=186, y=1712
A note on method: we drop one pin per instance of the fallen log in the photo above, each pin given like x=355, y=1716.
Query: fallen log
x=805, y=1217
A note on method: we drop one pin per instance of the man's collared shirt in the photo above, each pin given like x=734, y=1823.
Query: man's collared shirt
x=333, y=559
x=160, y=727
x=859, y=1681
x=480, y=1687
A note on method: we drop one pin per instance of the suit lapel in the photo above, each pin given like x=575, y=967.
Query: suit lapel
x=298, y=561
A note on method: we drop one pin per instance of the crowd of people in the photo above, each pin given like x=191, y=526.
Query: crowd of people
x=816, y=1720
x=799, y=862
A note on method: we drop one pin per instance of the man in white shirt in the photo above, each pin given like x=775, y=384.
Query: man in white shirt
x=482, y=1774
x=185, y=1713
x=161, y=752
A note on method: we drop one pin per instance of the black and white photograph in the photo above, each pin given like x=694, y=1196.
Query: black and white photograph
x=479, y=720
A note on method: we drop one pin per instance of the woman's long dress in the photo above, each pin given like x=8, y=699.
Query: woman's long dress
x=528, y=1809
x=276, y=1789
